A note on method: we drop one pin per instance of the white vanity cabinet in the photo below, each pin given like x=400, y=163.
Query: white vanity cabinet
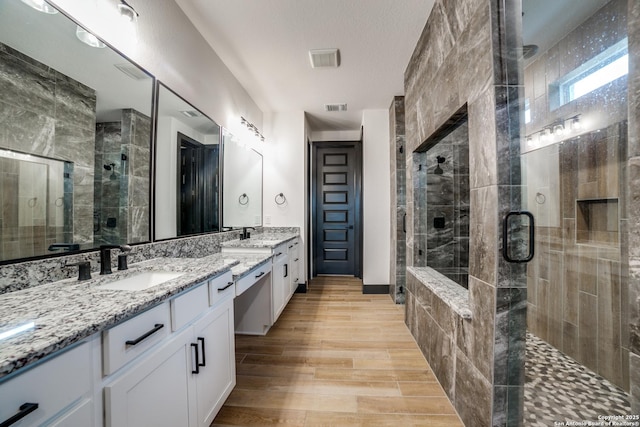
x=294, y=265
x=184, y=379
x=58, y=392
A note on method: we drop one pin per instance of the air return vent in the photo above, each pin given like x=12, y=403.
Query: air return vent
x=322, y=58
x=191, y=113
x=335, y=107
x=132, y=71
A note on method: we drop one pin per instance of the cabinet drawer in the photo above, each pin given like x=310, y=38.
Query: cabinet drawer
x=128, y=340
x=280, y=251
x=188, y=306
x=220, y=287
x=252, y=277
x=53, y=385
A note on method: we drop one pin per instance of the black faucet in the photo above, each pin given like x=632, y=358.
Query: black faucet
x=84, y=269
x=245, y=233
x=66, y=246
x=105, y=256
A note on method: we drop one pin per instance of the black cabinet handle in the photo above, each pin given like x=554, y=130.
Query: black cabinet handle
x=24, y=410
x=229, y=284
x=404, y=223
x=155, y=329
x=290, y=246
x=286, y=270
x=260, y=275
x=204, y=360
x=505, y=237
x=296, y=260
x=197, y=364
x=279, y=253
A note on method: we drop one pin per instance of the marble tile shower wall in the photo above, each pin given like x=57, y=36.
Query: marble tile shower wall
x=633, y=202
x=49, y=114
x=398, y=201
x=467, y=54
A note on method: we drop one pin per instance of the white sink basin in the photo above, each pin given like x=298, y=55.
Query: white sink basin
x=141, y=281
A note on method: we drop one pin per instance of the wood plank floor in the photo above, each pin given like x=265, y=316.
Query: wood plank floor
x=335, y=357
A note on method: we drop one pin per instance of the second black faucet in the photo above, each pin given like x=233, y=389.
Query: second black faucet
x=105, y=257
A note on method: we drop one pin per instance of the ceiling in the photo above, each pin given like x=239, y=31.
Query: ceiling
x=265, y=44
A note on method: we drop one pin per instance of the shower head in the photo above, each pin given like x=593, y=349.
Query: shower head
x=438, y=170
x=110, y=166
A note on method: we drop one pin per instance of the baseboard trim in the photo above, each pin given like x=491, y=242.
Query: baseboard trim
x=375, y=289
x=301, y=289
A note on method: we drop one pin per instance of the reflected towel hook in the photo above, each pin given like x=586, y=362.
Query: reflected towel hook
x=59, y=199
x=32, y=202
x=243, y=197
x=280, y=199
x=540, y=198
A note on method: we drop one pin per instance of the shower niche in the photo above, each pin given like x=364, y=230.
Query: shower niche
x=441, y=165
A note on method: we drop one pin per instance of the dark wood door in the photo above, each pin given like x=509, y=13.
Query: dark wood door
x=336, y=213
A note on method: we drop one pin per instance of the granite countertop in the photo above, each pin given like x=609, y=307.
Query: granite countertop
x=454, y=295
x=260, y=240
x=246, y=263
x=67, y=311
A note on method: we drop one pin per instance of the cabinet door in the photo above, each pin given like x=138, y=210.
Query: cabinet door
x=79, y=415
x=217, y=374
x=280, y=284
x=154, y=391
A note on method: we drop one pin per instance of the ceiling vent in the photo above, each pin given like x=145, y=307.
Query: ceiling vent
x=323, y=58
x=191, y=113
x=132, y=71
x=335, y=107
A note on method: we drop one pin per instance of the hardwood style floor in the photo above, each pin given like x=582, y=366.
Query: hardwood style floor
x=336, y=357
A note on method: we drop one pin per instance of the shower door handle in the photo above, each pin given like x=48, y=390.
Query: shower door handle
x=506, y=234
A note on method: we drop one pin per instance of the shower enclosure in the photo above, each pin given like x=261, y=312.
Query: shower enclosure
x=574, y=152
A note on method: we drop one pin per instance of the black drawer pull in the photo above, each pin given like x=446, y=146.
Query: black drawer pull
x=155, y=329
x=279, y=253
x=286, y=270
x=25, y=409
x=260, y=275
x=229, y=284
x=296, y=260
x=197, y=364
x=204, y=360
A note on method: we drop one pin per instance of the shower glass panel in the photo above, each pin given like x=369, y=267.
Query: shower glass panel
x=574, y=152
x=37, y=200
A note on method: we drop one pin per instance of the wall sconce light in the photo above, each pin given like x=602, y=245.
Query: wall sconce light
x=575, y=124
x=127, y=12
x=41, y=6
x=87, y=38
x=558, y=129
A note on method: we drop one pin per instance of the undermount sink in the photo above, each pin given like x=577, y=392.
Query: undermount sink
x=141, y=281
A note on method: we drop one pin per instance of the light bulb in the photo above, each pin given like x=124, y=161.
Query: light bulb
x=41, y=6
x=127, y=13
x=558, y=129
x=576, y=124
x=87, y=38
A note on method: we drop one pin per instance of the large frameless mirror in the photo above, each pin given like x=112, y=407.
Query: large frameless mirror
x=242, y=183
x=75, y=138
x=187, y=169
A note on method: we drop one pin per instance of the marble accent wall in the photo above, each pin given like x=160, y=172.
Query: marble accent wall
x=46, y=113
x=468, y=54
x=633, y=201
x=398, y=203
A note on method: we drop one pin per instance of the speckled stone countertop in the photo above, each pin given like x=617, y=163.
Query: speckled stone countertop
x=246, y=263
x=454, y=295
x=67, y=311
x=261, y=240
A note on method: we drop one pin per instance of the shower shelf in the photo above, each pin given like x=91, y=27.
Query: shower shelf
x=597, y=222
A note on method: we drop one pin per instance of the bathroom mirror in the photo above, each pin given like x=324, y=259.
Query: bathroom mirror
x=187, y=169
x=242, y=183
x=75, y=138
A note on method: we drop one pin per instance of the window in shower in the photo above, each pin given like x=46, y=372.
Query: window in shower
x=442, y=200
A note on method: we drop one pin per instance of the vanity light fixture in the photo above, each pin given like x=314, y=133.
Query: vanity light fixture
x=251, y=128
x=41, y=6
x=558, y=128
x=574, y=123
x=87, y=38
x=127, y=12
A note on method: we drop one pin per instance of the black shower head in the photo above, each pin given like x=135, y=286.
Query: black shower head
x=110, y=166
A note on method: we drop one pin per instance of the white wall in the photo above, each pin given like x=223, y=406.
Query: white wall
x=285, y=171
x=171, y=49
x=376, y=195
x=335, y=135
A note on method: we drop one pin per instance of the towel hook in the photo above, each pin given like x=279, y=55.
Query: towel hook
x=280, y=199
x=243, y=197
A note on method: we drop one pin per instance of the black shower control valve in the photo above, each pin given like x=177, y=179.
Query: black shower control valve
x=438, y=222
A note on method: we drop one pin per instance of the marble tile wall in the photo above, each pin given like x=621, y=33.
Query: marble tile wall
x=398, y=200
x=633, y=205
x=467, y=54
x=51, y=115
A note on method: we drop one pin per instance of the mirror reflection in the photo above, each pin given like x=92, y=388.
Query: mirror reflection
x=187, y=169
x=75, y=138
x=242, y=184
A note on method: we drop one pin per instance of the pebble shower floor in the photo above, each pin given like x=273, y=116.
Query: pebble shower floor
x=558, y=389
